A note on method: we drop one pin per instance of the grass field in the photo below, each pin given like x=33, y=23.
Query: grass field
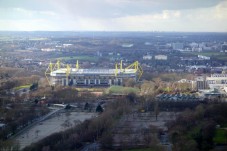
x=208, y=54
x=220, y=136
x=122, y=90
x=22, y=87
x=83, y=58
x=216, y=55
x=90, y=89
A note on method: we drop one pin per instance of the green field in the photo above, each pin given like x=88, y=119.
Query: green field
x=208, y=54
x=220, y=136
x=216, y=55
x=83, y=58
x=122, y=90
x=22, y=87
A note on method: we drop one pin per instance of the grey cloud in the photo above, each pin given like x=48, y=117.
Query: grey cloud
x=121, y=8
x=107, y=8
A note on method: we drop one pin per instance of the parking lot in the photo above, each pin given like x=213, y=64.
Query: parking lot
x=58, y=123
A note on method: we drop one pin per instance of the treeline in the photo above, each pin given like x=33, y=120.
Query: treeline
x=195, y=128
x=18, y=116
x=18, y=81
x=97, y=129
x=69, y=95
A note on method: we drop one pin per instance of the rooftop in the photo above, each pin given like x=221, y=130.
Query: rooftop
x=93, y=71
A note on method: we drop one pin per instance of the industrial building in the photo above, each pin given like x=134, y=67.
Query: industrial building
x=201, y=83
x=217, y=81
x=214, y=81
x=68, y=76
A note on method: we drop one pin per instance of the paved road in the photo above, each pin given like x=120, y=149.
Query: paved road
x=164, y=140
x=91, y=147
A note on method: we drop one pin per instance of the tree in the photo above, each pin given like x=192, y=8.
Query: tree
x=99, y=109
x=130, y=82
x=86, y=106
x=131, y=96
x=34, y=86
x=156, y=110
x=147, y=88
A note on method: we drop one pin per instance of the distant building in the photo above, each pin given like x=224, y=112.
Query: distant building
x=193, y=44
x=201, y=83
x=160, y=57
x=99, y=54
x=48, y=49
x=197, y=49
x=203, y=57
x=207, y=48
x=224, y=47
x=217, y=81
x=213, y=94
x=177, y=97
x=127, y=45
x=147, y=57
x=178, y=46
x=67, y=45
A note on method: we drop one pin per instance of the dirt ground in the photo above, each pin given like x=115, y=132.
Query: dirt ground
x=139, y=128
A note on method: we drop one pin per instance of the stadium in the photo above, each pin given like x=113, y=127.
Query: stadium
x=68, y=76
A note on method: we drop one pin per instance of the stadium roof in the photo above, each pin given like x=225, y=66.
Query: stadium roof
x=93, y=71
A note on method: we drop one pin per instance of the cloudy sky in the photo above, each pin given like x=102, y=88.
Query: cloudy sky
x=114, y=15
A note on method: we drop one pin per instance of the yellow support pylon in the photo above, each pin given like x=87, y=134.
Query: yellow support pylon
x=121, y=66
x=137, y=68
x=68, y=70
x=48, y=72
x=116, y=69
x=77, y=64
x=57, y=65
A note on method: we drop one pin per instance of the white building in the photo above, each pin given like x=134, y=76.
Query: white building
x=160, y=57
x=203, y=57
x=218, y=81
x=48, y=49
x=147, y=57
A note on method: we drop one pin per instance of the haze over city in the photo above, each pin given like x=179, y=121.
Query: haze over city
x=113, y=75
x=114, y=15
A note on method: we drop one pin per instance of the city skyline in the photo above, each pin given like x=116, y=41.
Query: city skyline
x=118, y=15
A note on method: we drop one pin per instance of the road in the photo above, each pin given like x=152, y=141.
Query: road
x=164, y=140
x=91, y=147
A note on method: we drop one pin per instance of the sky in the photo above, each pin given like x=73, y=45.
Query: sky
x=114, y=15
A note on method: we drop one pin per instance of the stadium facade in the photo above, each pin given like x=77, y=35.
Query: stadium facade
x=68, y=76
